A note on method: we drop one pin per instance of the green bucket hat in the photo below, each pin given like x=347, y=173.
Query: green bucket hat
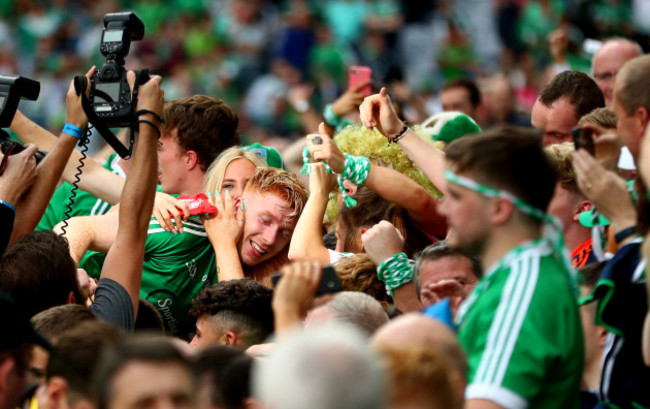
x=449, y=126
x=270, y=155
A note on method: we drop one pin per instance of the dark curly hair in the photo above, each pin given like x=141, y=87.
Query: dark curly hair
x=245, y=303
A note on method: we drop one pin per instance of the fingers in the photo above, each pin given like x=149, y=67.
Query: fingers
x=30, y=150
x=89, y=75
x=91, y=72
x=322, y=129
x=130, y=79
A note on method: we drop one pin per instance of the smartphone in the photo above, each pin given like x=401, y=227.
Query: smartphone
x=358, y=74
x=329, y=282
x=583, y=139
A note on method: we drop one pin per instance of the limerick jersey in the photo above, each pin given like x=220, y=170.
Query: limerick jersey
x=521, y=331
x=176, y=267
x=85, y=204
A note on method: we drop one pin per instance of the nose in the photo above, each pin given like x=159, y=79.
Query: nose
x=270, y=233
x=194, y=342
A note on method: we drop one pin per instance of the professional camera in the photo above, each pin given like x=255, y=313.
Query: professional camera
x=110, y=95
x=111, y=103
x=12, y=89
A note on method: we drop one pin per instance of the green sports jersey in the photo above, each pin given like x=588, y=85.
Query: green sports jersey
x=85, y=204
x=521, y=331
x=176, y=267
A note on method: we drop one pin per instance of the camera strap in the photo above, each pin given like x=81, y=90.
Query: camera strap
x=80, y=85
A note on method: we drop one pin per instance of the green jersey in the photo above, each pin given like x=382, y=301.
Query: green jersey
x=522, y=333
x=176, y=267
x=85, y=204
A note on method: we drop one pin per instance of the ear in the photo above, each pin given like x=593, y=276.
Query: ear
x=71, y=298
x=231, y=338
x=582, y=207
x=191, y=159
x=56, y=393
x=643, y=117
x=501, y=211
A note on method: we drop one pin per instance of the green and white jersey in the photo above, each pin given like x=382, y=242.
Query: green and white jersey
x=176, y=267
x=521, y=331
x=85, y=204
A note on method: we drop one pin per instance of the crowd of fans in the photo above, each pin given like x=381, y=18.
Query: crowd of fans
x=484, y=209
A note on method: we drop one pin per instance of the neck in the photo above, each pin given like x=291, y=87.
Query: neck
x=575, y=234
x=505, y=239
x=591, y=374
x=193, y=183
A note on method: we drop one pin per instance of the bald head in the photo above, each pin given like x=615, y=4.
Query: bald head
x=419, y=330
x=609, y=59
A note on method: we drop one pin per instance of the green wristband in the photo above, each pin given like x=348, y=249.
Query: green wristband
x=395, y=271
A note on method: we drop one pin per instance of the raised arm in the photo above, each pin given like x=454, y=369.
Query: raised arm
x=377, y=112
x=95, y=179
x=32, y=205
x=89, y=233
x=124, y=259
x=389, y=184
x=307, y=240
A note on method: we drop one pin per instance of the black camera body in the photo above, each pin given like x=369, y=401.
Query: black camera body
x=13, y=88
x=110, y=95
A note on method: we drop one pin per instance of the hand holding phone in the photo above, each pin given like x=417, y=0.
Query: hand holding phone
x=329, y=282
x=583, y=139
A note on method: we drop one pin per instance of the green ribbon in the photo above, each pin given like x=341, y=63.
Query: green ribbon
x=305, y=163
x=395, y=271
x=355, y=171
x=553, y=226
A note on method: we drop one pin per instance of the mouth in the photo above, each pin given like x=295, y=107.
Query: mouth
x=257, y=250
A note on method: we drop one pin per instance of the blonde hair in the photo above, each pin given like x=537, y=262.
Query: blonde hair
x=358, y=140
x=215, y=174
x=561, y=159
x=603, y=117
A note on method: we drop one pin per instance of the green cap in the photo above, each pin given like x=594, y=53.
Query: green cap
x=270, y=155
x=587, y=219
x=449, y=125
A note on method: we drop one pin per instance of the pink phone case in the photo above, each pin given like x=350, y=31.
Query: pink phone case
x=357, y=75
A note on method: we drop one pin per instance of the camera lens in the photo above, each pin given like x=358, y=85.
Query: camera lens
x=108, y=73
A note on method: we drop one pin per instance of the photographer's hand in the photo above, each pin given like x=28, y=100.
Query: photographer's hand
x=150, y=95
x=75, y=114
x=19, y=175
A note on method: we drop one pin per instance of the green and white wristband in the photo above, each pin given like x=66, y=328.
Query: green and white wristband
x=331, y=118
x=395, y=271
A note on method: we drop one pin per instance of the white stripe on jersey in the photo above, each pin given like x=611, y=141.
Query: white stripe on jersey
x=190, y=231
x=511, y=312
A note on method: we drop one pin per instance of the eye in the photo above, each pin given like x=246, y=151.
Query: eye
x=228, y=185
x=265, y=220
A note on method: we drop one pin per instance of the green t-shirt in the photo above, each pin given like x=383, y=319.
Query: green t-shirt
x=176, y=267
x=521, y=331
x=85, y=204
